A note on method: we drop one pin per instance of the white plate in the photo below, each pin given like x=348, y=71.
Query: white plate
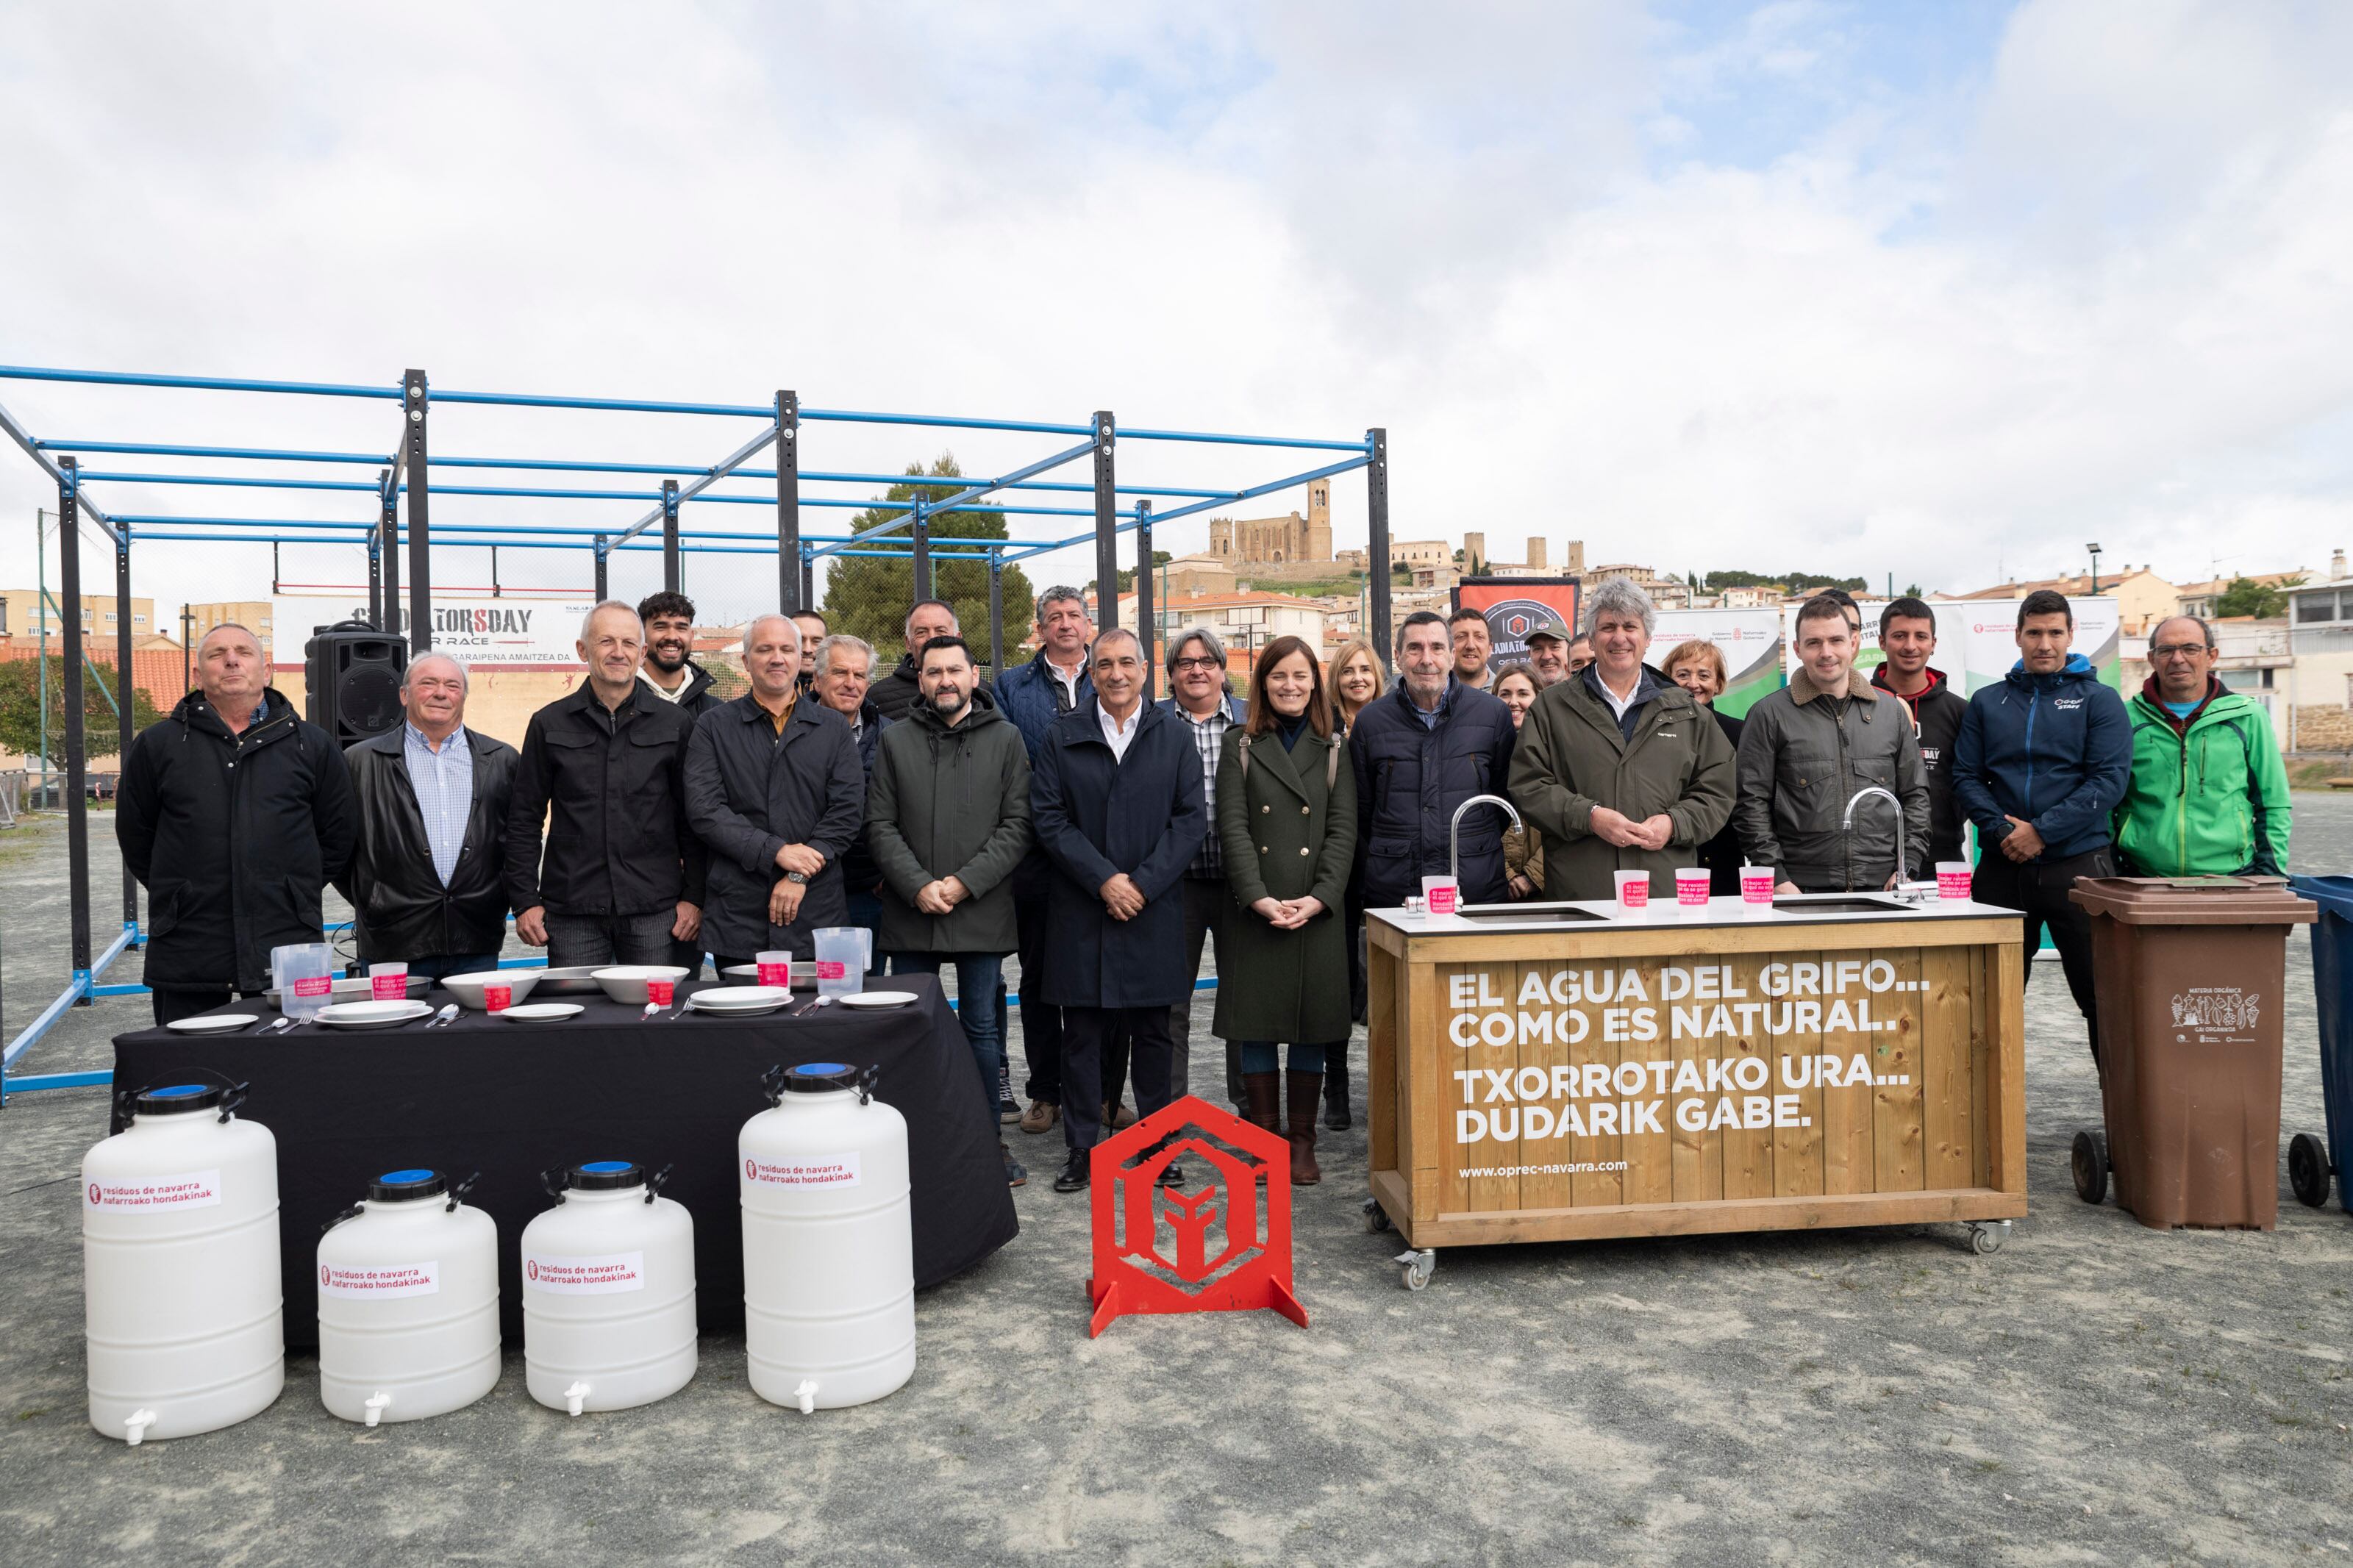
x=371, y=1014
x=213, y=1024
x=877, y=999
x=541, y=1012
x=739, y=998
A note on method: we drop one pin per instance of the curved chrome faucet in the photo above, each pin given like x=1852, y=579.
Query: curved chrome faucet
x=1902, y=863
x=1454, y=830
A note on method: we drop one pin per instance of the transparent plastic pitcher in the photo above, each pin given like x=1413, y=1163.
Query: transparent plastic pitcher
x=842, y=952
x=304, y=974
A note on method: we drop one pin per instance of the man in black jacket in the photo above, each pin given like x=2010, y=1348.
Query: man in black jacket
x=899, y=692
x=845, y=670
x=668, y=672
x=775, y=789
x=601, y=769
x=234, y=815
x=1420, y=751
x=427, y=881
x=1907, y=639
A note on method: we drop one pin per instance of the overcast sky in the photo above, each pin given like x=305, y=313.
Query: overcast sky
x=1937, y=290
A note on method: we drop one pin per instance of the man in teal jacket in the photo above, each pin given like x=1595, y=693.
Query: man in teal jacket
x=2207, y=796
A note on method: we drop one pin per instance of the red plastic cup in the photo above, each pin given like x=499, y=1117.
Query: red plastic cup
x=1633, y=889
x=1441, y=895
x=1691, y=886
x=660, y=992
x=777, y=969
x=1953, y=879
x=1756, y=884
x=497, y=998
x=388, y=982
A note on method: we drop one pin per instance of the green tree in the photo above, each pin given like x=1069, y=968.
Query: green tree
x=1127, y=573
x=868, y=595
x=20, y=710
x=2245, y=596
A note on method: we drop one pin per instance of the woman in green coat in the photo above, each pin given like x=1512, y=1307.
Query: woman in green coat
x=1287, y=817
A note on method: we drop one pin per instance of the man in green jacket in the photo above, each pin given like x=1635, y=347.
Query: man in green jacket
x=947, y=816
x=2208, y=793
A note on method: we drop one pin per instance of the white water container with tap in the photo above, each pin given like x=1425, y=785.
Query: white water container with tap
x=828, y=1244
x=608, y=1290
x=408, y=1301
x=183, y=1301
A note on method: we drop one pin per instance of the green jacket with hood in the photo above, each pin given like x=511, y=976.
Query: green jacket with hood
x=2208, y=795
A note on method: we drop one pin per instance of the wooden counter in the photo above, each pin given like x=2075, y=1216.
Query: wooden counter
x=1537, y=1074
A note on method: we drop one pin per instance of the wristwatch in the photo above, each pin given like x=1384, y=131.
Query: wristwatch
x=796, y=877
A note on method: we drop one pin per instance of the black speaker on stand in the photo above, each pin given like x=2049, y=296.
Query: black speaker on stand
x=352, y=673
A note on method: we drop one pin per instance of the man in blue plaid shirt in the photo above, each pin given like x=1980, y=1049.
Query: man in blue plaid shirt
x=1196, y=682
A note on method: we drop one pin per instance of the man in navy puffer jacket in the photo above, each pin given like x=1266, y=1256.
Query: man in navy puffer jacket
x=2040, y=765
x=1420, y=750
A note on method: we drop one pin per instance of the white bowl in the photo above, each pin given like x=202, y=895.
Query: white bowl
x=468, y=988
x=628, y=983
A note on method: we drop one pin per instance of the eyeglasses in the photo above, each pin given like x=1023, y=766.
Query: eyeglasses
x=2177, y=649
x=1197, y=664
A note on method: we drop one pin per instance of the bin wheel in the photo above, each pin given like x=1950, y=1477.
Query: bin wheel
x=1415, y=1267
x=2089, y=1159
x=2307, y=1170
x=1376, y=1218
x=1986, y=1239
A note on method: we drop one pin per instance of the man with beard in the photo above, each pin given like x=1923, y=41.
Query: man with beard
x=896, y=694
x=811, y=625
x=667, y=672
x=1908, y=640
x=948, y=821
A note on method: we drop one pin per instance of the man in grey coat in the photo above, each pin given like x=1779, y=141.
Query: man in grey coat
x=947, y=817
x=774, y=788
x=1809, y=749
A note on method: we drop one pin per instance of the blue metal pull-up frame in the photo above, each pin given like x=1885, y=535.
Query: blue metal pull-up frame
x=406, y=473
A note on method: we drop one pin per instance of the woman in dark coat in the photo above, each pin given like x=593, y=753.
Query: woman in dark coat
x=1287, y=820
x=1698, y=667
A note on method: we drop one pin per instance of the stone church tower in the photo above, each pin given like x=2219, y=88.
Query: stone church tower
x=1278, y=540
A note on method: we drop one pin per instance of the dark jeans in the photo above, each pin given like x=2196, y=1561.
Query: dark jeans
x=2038, y=889
x=1205, y=901
x=977, y=992
x=1086, y=1031
x=173, y=1005
x=615, y=939
x=1041, y=1025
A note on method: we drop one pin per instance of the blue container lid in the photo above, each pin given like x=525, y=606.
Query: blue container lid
x=407, y=1186
x=820, y=1077
x=177, y=1099
x=607, y=1175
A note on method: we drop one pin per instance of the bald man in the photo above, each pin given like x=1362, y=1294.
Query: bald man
x=776, y=791
x=234, y=815
x=428, y=882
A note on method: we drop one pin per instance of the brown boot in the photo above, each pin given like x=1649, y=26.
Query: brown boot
x=1263, y=1096
x=1306, y=1089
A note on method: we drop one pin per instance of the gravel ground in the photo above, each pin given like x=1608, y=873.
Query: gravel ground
x=2093, y=1393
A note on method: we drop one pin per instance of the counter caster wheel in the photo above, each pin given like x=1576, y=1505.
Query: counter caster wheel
x=2089, y=1162
x=2307, y=1170
x=1986, y=1239
x=1376, y=1218
x=1416, y=1268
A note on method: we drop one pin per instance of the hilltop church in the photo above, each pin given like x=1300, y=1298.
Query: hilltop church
x=1277, y=540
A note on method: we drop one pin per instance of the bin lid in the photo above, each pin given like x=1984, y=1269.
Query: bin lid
x=820, y=1077
x=2193, y=900
x=605, y=1175
x=407, y=1186
x=2334, y=894
x=177, y=1099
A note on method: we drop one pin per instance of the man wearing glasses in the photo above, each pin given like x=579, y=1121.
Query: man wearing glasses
x=2208, y=793
x=1196, y=682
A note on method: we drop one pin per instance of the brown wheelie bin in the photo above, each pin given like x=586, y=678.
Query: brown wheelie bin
x=2190, y=973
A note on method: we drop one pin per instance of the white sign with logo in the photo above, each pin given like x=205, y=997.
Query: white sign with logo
x=477, y=627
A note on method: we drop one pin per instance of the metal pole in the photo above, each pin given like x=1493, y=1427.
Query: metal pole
x=1106, y=525
x=808, y=577
x=274, y=573
x=494, y=572
x=792, y=587
x=41, y=617
x=122, y=706
x=601, y=595
x=77, y=817
x=375, y=583
x=420, y=527
x=1376, y=546
x=1144, y=622
x=188, y=651
x=921, y=533
x=996, y=614
x=670, y=535
x=388, y=543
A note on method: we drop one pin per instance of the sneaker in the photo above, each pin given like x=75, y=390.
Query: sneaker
x=1008, y=1109
x=1073, y=1178
x=1042, y=1116
x=1016, y=1173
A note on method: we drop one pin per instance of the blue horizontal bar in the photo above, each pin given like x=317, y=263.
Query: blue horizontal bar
x=614, y=404
x=1271, y=484
x=159, y=519
x=56, y=1081
x=203, y=383
x=258, y=454
x=120, y=991
x=1131, y=435
x=238, y=481
x=860, y=416
x=249, y=538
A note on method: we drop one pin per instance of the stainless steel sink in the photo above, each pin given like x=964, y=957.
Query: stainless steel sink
x=1844, y=905
x=1527, y=914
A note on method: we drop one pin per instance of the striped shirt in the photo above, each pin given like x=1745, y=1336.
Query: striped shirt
x=444, y=782
x=1208, y=740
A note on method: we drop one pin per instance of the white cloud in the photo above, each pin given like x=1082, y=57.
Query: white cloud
x=2106, y=297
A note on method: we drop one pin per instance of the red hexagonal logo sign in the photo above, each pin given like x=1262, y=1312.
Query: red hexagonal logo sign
x=1221, y=1243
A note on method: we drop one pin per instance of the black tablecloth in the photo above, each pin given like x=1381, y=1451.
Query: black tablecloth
x=511, y=1100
